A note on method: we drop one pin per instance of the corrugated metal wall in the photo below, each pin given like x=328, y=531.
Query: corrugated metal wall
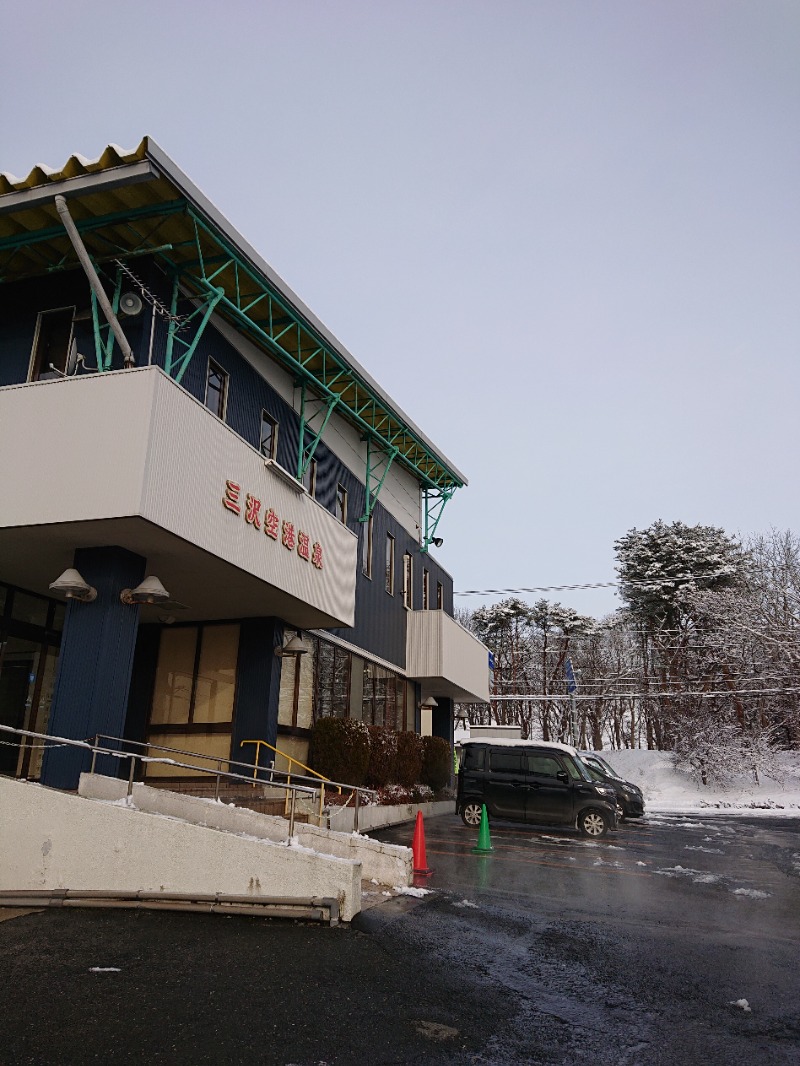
x=380, y=618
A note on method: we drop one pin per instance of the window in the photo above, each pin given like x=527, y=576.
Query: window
x=216, y=389
x=390, y=564
x=341, y=504
x=543, y=765
x=426, y=589
x=332, y=681
x=439, y=596
x=310, y=478
x=383, y=698
x=366, y=548
x=269, y=436
x=408, y=575
x=506, y=762
x=196, y=677
x=51, y=344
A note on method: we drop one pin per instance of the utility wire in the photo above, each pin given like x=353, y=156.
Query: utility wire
x=654, y=694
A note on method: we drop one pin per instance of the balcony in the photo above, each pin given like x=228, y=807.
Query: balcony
x=129, y=458
x=445, y=658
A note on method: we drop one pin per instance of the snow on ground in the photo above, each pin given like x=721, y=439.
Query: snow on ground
x=667, y=788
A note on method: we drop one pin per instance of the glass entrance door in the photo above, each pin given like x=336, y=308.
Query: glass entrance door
x=27, y=674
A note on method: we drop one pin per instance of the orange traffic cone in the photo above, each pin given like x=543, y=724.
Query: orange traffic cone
x=418, y=848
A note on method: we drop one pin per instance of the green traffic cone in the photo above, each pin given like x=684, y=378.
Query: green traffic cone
x=484, y=845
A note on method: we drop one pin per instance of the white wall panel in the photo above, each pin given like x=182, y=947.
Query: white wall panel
x=133, y=443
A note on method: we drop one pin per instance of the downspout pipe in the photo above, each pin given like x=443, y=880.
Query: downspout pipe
x=94, y=280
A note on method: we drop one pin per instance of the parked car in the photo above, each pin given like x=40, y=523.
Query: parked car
x=530, y=781
x=629, y=796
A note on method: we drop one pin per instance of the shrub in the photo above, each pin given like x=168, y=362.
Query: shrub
x=339, y=749
x=436, y=763
x=382, y=756
x=408, y=764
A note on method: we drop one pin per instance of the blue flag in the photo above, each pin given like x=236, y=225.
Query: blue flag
x=572, y=686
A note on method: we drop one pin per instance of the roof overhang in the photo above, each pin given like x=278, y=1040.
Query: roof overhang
x=138, y=202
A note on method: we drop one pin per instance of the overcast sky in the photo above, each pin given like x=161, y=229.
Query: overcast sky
x=564, y=236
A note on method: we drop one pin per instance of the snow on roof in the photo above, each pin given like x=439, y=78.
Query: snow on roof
x=503, y=742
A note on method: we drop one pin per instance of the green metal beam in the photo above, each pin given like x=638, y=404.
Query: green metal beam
x=306, y=454
x=373, y=468
x=434, y=502
x=86, y=225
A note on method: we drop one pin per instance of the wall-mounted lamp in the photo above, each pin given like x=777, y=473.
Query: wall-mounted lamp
x=429, y=703
x=73, y=587
x=293, y=646
x=150, y=591
x=437, y=542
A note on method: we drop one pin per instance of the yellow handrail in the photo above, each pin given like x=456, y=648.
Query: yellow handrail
x=283, y=754
x=288, y=772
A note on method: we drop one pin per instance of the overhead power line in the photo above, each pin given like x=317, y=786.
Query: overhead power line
x=538, y=588
x=649, y=695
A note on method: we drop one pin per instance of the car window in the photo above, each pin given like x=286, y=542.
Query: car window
x=472, y=757
x=543, y=765
x=506, y=762
x=577, y=769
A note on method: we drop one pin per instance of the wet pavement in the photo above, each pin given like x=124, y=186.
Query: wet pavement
x=645, y=949
x=673, y=941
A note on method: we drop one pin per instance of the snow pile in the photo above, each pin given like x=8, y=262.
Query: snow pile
x=667, y=787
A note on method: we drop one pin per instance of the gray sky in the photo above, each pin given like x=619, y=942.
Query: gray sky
x=565, y=236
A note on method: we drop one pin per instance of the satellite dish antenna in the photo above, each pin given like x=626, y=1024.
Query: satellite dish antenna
x=72, y=359
x=130, y=304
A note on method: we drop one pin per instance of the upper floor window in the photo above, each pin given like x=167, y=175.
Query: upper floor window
x=216, y=389
x=310, y=478
x=366, y=548
x=268, y=445
x=426, y=589
x=439, y=596
x=390, y=564
x=408, y=573
x=341, y=504
x=51, y=343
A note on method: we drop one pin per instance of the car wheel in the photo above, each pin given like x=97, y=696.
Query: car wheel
x=592, y=823
x=471, y=814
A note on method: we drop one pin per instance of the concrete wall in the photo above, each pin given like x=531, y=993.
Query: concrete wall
x=378, y=817
x=50, y=840
x=388, y=864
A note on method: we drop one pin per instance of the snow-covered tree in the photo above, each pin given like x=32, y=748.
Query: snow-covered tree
x=660, y=564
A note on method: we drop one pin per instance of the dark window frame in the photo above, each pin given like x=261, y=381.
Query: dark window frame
x=222, y=401
x=274, y=426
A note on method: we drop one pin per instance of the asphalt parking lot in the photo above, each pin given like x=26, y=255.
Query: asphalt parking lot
x=672, y=942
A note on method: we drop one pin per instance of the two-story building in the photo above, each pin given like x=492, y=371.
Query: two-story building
x=196, y=479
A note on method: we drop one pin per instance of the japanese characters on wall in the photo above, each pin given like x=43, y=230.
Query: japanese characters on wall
x=270, y=523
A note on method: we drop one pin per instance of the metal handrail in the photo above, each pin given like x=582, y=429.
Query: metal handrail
x=98, y=749
x=291, y=789
x=289, y=758
x=288, y=773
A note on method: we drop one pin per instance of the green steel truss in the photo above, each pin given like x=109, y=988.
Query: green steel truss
x=378, y=463
x=210, y=274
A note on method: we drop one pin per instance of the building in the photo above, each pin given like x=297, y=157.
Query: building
x=194, y=473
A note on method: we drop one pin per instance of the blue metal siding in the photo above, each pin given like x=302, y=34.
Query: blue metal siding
x=380, y=618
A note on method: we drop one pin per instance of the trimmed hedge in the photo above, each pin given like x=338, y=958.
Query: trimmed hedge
x=436, y=763
x=408, y=765
x=340, y=749
x=346, y=750
x=382, y=756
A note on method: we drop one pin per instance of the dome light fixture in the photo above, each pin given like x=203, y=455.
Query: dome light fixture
x=73, y=587
x=150, y=591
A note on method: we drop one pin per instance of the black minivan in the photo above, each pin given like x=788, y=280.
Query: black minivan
x=532, y=782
